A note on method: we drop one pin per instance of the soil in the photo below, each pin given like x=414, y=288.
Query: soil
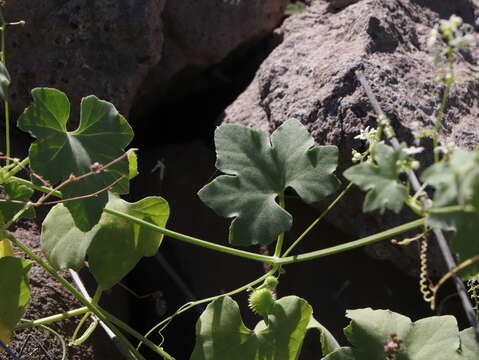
x=48, y=298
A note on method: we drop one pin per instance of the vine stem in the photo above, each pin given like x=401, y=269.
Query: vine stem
x=75, y=340
x=279, y=242
x=273, y=260
x=440, y=238
x=193, y=240
x=18, y=167
x=320, y=217
x=50, y=319
x=352, y=244
x=253, y=256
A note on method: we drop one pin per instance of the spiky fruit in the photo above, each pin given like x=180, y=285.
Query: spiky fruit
x=261, y=301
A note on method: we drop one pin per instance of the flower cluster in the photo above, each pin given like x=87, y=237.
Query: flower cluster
x=392, y=346
x=452, y=38
x=448, y=31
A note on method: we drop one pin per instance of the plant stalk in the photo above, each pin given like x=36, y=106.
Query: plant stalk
x=353, y=244
x=279, y=242
x=50, y=319
x=320, y=217
x=193, y=240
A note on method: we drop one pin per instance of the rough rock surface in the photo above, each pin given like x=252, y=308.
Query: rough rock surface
x=199, y=34
x=113, y=48
x=310, y=77
x=103, y=47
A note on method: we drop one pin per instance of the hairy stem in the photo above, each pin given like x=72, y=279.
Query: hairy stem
x=279, y=242
x=193, y=240
x=315, y=222
x=50, y=319
x=353, y=244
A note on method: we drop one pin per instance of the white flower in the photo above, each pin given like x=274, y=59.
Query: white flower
x=433, y=36
x=356, y=156
x=368, y=134
x=450, y=25
x=413, y=150
x=461, y=41
x=445, y=149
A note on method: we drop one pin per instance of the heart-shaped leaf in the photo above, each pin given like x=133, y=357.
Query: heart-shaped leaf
x=58, y=153
x=380, y=179
x=15, y=294
x=456, y=182
x=4, y=81
x=221, y=334
x=435, y=337
x=259, y=168
x=113, y=246
x=14, y=191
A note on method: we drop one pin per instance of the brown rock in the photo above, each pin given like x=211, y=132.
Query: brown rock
x=199, y=34
x=339, y=4
x=113, y=48
x=102, y=47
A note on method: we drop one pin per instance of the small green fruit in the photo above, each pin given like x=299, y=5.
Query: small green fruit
x=271, y=282
x=261, y=301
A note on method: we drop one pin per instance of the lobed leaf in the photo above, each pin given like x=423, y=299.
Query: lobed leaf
x=456, y=182
x=58, y=153
x=380, y=180
x=258, y=168
x=15, y=294
x=435, y=337
x=113, y=246
x=221, y=334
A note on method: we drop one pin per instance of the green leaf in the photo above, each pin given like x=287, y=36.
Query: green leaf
x=63, y=244
x=221, y=334
x=4, y=81
x=435, y=337
x=469, y=348
x=380, y=180
x=328, y=342
x=15, y=294
x=456, y=182
x=57, y=153
x=344, y=353
x=258, y=169
x=15, y=191
x=113, y=246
